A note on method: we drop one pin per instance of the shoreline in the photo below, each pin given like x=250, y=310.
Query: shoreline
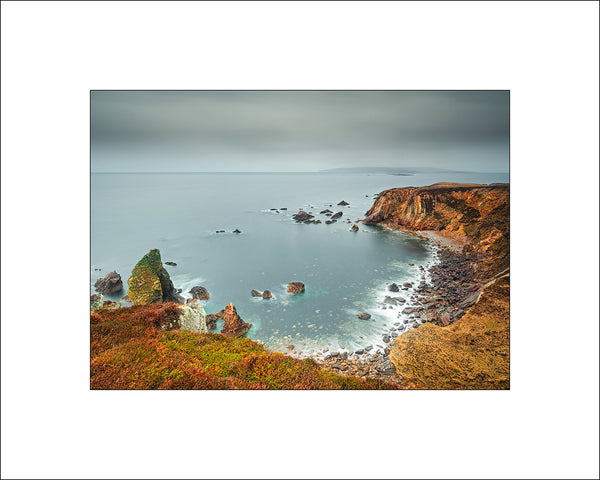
x=442, y=301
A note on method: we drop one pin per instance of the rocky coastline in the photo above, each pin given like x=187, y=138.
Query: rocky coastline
x=467, y=229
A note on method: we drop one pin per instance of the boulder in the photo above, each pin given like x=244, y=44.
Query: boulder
x=111, y=283
x=236, y=231
x=329, y=222
x=343, y=203
x=267, y=294
x=354, y=228
x=407, y=285
x=234, y=325
x=173, y=264
x=326, y=211
x=295, y=287
x=336, y=215
x=393, y=288
x=363, y=316
x=255, y=293
x=150, y=282
x=199, y=293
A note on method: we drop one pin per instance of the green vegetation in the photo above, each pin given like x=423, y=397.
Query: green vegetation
x=147, y=280
x=133, y=348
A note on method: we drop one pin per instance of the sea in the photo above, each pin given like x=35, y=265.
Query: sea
x=344, y=272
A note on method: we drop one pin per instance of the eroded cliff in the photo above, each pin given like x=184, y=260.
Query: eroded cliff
x=473, y=352
x=476, y=215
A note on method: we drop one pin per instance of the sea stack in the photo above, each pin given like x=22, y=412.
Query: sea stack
x=150, y=282
x=234, y=325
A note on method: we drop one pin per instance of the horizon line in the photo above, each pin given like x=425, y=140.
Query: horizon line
x=307, y=171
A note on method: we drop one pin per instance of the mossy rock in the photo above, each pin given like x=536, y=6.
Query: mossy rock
x=149, y=281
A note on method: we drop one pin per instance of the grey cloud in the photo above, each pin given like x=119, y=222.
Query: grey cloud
x=270, y=130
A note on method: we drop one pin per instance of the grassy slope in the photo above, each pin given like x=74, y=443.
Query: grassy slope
x=473, y=353
x=131, y=350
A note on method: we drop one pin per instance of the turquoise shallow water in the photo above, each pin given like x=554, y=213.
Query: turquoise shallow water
x=344, y=272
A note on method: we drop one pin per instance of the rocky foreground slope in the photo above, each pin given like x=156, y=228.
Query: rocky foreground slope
x=472, y=352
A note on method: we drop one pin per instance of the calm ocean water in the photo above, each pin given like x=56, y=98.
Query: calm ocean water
x=344, y=272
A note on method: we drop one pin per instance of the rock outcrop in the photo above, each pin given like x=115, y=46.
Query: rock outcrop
x=150, y=282
x=477, y=215
x=192, y=317
x=295, y=287
x=199, y=293
x=211, y=319
x=234, y=325
x=302, y=216
x=111, y=283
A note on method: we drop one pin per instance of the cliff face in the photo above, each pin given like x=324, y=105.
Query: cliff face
x=477, y=215
x=473, y=352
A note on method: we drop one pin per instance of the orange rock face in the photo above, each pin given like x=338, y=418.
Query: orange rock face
x=478, y=215
x=234, y=325
x=295, y=287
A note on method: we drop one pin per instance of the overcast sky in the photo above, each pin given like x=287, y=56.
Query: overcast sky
x=223, y=131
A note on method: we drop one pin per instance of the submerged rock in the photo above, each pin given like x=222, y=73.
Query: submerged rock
x=150, y=282
x=111, y=283
x=295, y=287
x=234, y=325
x=199, y=293
x=394, y=300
